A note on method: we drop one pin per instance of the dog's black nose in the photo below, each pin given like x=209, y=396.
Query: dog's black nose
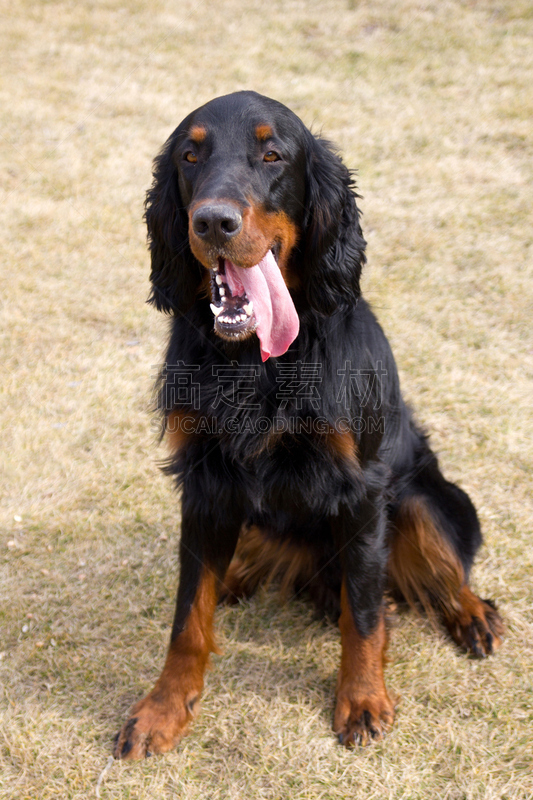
x=217, y=222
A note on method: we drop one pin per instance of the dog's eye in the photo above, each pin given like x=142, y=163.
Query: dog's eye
x=190, y=157
x=271, y=156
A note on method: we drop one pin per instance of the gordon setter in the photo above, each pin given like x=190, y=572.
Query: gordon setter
x=297, y=459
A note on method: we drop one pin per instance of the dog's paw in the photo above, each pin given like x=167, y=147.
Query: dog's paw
x=477, y=627
x=361, y=720
x=153, y=727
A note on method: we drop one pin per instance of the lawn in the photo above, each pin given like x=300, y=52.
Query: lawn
x=432, y=102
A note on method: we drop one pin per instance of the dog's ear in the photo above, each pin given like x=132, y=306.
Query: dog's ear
x=176, y=274
x=332, y=244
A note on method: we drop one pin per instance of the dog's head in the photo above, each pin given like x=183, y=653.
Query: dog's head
x=247, y=200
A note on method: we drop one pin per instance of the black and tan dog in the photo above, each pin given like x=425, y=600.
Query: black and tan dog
x=296, y=456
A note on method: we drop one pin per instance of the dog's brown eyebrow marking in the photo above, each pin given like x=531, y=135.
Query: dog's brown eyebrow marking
x=198, y=133
x=264, y=132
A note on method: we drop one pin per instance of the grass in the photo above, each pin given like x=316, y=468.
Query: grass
x=433, y=103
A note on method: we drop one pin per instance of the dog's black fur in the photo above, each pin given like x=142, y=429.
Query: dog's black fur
x=336, y=491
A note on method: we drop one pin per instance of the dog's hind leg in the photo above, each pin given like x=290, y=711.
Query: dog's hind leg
x=434, y=536
x=261, y=560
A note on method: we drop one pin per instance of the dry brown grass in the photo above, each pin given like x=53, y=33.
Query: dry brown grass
x=433, y=101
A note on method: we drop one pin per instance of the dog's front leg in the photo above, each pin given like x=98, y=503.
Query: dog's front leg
x=364, y=710
x=209, y=535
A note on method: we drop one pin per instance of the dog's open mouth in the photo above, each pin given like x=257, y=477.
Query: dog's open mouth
x=248, y=300
x=234, y=312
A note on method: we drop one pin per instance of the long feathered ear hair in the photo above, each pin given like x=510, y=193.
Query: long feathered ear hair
x=332, y=243
x=176, y=274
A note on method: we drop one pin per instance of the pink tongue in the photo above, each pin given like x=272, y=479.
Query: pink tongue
x=277, y=320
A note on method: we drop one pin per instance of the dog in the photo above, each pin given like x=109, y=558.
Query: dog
x=297, y=459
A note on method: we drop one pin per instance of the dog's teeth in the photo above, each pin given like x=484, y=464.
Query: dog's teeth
x=216, y=309
x=222, y=292
x=229, y=320
x=219, y=280
x=249, y=307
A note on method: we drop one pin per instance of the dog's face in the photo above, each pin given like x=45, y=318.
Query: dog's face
x=249, y=205
x=241, y=167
